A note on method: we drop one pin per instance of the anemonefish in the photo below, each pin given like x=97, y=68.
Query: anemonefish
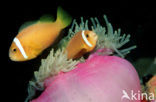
x=33, y=39
x=151, y=85
x=81, y=43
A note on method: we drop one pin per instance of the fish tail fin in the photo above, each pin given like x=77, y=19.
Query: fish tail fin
x=63, y=17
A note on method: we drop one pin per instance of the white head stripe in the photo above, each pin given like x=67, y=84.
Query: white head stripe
x=18, y=44
x=85, y=39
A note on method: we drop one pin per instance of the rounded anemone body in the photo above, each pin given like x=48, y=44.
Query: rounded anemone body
x=98, y=79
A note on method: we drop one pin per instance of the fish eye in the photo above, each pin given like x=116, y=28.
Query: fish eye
x=14, y=50
x=87, y=35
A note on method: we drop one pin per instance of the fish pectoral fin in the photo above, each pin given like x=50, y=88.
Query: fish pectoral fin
x=33, y=52
x=80, y=53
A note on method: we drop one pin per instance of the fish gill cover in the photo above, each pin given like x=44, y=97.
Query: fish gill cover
x=57, y=60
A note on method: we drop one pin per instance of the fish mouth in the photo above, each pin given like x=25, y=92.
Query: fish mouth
x=14, y=59
x=9, y=54
x=96, y=37
x=11, y=58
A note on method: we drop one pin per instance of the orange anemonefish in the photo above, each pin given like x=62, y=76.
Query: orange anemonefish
x=33, y=39
x=151, y=85
x=81, y=43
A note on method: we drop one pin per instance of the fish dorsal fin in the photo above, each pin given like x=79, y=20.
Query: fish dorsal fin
x=47, y=18
x=26, y=24
x=44, y=18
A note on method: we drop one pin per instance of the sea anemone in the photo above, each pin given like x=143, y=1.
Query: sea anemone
x=55, y=63
x=99, y=78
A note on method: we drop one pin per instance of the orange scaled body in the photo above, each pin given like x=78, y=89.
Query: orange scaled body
x=83, y=42
x=151, y=84
x=32, y=40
